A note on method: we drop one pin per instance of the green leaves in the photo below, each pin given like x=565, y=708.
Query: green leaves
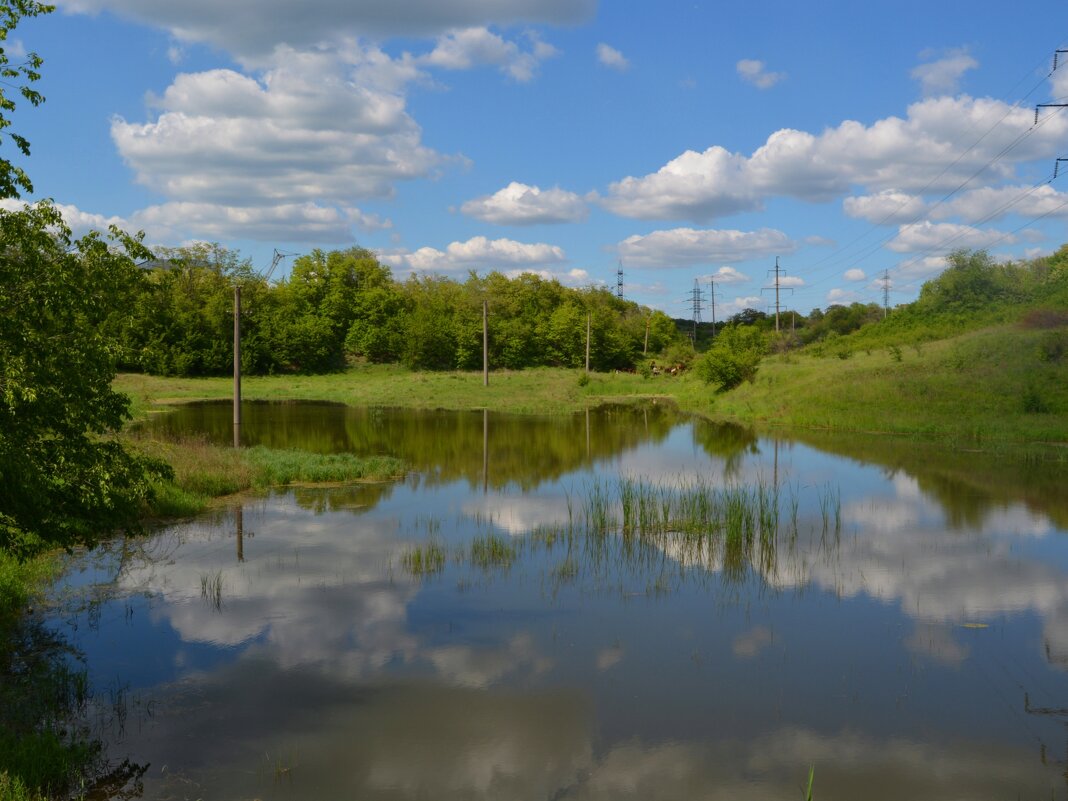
x=12, y=177
x=734, y=358
x=63, y=481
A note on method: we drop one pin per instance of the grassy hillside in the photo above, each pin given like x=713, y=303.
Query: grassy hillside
x=1004, y=382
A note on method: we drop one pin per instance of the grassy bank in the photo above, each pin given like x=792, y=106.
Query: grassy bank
x=203, y=471
x=997, y=384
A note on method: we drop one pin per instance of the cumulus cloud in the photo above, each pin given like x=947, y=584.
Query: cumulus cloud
x=943, y=237
x=754, y=72
x=942, y=76
x=994, y=203
x=895, y=154
x=885, y=207
x=855, y=274
x=476, y=253
x=610, y=57
x=472, y=47
x=682, y=247
x=838, y=295
x=736, y=305
x=253, y=28
x=80, y=222
x=301, y=133
x=791, y=281
x=729, y=275
x=286, y=222
x=698, y=186
x=520, y=204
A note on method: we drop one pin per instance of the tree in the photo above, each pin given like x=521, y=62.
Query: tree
x=18, y=77
x=63, y=479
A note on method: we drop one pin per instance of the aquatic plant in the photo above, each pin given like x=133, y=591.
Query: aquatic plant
x=211, y=589
x=492, y=551
x=424, y=560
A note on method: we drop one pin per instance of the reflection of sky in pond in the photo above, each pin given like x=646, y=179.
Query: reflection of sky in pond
x=892, y=651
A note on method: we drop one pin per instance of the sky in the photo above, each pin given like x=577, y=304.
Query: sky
x=855, y=143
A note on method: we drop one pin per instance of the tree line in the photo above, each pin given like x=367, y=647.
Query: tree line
x=342, y=305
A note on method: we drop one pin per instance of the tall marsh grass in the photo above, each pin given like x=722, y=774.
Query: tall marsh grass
x=204, y=470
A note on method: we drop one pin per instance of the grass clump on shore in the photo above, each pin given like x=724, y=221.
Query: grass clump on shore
x=203, y=471
x=271, y=467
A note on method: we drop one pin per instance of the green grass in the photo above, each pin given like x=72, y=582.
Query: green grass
x=977, y=387
x=537, y=390
x=22, y=582
x=272, y=467
x=1003, y=383
x=203, y=471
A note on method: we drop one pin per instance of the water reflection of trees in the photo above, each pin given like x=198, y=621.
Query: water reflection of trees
x=968, y=484
x=51, y=724
x=482, y=448
x=727, y=441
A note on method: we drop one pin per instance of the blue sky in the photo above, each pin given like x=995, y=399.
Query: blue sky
x=688, y=140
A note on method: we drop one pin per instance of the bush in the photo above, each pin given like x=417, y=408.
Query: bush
x=734, y=358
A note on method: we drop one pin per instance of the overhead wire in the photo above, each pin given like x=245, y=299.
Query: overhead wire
x=840, y=255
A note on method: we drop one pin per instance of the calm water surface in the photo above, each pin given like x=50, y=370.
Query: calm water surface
x=903, y=629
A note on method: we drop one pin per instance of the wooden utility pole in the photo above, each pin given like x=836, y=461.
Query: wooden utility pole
x=712, y=296
x=645, y=350
x=485, y=343
x=237, y=366
x=776, y=294
x=588, y=326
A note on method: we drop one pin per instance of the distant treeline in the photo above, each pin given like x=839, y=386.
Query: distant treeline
x=344, y=305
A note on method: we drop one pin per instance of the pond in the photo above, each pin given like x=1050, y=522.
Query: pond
x=622, y=604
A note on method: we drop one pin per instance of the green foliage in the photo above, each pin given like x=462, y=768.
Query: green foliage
x=63, y=481
x=345, y=304
x=18, y=77
x=733, y=358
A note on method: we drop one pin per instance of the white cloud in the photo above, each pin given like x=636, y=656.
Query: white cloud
x=741, y=304
x=475, y=253
x=520, y=204
x=884, y=207
x=993, y=203
x=610, y=57
x=729, y=275
x=286, y=222
x=252, y=28
x=904, y=155
x=791, y=281
x=80, y=222
x=754, y=72
x=943, y=237
x=682, y=247
x=303, y=132
x=471, y=47
x=855, y=274
x=842, y=296
x=920, y=269
x=942, y=76
x=697, y=186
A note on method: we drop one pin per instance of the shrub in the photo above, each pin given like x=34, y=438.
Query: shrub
x=734, y=358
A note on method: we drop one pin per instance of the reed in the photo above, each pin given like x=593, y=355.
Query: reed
x=493, y=551
x=424, y=560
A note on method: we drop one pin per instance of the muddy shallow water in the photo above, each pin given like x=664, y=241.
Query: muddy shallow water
x=493, y=627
